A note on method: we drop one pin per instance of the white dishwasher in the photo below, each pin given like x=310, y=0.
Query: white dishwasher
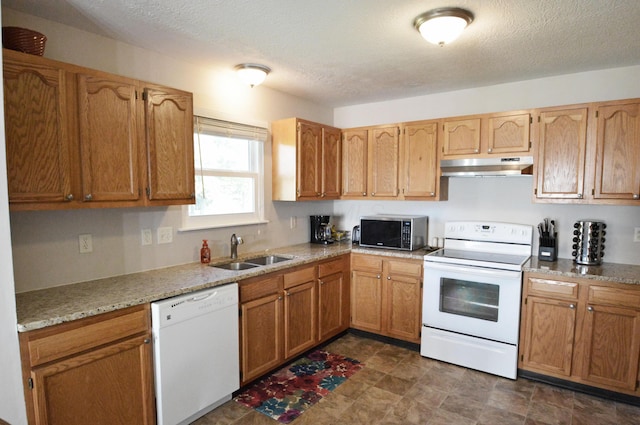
x=196, y=353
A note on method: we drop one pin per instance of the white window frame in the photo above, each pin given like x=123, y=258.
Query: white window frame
x=232, y=130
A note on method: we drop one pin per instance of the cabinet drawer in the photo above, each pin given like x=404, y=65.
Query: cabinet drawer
x=552, y=288
x=299, y=276
x=252, y=289
x=331, y=267
x=410, y=268
x=366, y=262
x=614, y=296
x=71, y=338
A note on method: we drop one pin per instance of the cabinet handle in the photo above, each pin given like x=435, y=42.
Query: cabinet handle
x=589, y=308
x=636, y=196
x=69, y=197
x=88, y=197
x=572, y=306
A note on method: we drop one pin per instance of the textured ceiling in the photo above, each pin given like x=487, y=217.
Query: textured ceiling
x=344, y=52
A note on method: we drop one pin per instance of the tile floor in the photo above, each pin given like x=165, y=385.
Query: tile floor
x=398, y=386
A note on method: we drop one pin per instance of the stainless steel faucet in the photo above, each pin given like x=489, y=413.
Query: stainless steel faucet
x=235, y=241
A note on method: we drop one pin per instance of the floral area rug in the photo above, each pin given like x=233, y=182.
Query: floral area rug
x=287, y=393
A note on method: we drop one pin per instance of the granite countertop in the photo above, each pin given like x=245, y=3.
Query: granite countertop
x=51, y=306
x=606, y=272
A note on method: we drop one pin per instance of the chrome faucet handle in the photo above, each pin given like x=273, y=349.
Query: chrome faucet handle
x=235, y=241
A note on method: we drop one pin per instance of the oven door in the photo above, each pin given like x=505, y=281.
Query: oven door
x=474, y=301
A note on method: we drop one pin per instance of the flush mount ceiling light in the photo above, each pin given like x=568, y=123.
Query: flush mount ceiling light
x=252, y=74
x=442, y=26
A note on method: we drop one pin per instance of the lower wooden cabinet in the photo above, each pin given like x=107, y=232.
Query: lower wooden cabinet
x=286, y=313
x=386, y=296
x=96, y=370
x=582, y=331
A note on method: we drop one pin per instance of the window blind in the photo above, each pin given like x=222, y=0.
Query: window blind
x=229, y=129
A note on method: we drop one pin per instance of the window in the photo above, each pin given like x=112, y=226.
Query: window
x=229, y=175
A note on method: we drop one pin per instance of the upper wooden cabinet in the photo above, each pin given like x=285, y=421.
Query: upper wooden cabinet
x=420, y=168
x=306, y=160
x=562, y=139
x=486, y=135
x=169, y=145
x=76, y=138
x=617, y=164
x=38, y=144
x=589, y=153
x=371, y=159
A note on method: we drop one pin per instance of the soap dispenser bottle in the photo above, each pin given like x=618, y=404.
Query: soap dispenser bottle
x=205, y=252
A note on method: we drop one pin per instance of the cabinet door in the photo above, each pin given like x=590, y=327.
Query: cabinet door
x=309, y=156
x=354, y=163
x=299, y=318
x=261, y=329
x=331, y=301
x=169, y=136
x=403, y=307
x=383, y=160
x=420, y=163
x=561, y=154
x=331, y=169
x=37, y=133
x=549, y=333
x=461, y=137
x=110, y=385
x=508, y=134
x=109, y=138
x=611, y=346
x=366, y=301
x=618, y=152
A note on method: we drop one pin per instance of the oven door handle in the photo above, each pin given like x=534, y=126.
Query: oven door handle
x=458, y=268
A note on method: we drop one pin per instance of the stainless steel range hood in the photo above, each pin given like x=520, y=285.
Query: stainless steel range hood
x=487, y=167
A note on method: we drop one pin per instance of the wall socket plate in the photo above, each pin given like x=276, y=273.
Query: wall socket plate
x=85, y=243
x=165, y=235
x=146, y=237
x=636, y=234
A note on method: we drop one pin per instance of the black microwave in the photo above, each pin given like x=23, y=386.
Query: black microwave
x=405, y=232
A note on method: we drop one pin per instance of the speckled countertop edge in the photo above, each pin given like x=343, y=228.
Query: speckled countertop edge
x=51, y=306
x=606, y=272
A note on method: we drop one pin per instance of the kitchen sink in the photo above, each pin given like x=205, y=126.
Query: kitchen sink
x=236, y=265
x=267, y=259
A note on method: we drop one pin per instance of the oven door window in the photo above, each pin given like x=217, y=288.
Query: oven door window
x=471, y=299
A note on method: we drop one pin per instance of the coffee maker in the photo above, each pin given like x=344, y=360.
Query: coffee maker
x=320, y=229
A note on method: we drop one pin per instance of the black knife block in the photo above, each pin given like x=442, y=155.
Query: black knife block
x=547, y=250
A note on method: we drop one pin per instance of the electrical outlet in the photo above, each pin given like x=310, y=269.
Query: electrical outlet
x=85, y=242
x=147, y=239
x=165, y=235
x=636, y=234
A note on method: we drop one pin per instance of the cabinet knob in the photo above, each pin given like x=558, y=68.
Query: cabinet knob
x=579, y=195
x=432, y=194
x=280, y=298
x=323, y=195
x=589, y=308
x=572, y=306
x=636, y=196
x=69, y=197
x=364, y=193
x=321, y=282
x=88, y=197
x=373, y=194
x=477, y=151
x=147, y=341
x=488, y=150
x=378, y=276
x=388, y=277
x=288, y=293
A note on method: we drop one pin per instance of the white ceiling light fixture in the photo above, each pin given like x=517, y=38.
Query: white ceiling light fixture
x=442, y=26
x=252, y=74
